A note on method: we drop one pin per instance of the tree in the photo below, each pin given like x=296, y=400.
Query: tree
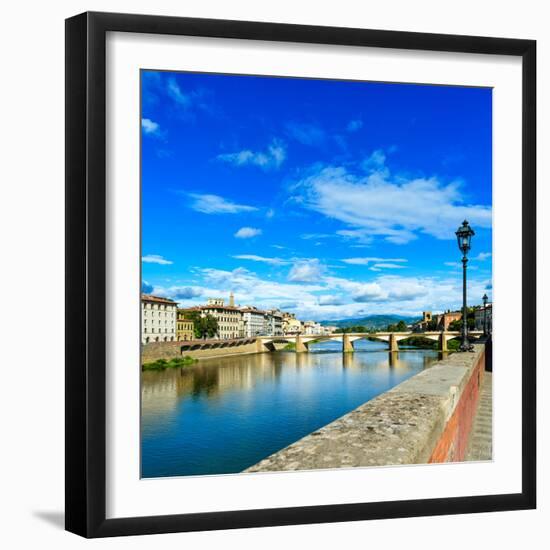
x=401, y=326
x=205, y=326
x=457, y=324
x=431, y=325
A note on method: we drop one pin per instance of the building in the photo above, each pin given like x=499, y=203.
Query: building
x=480, y=318
x=443, y=320
x=158, y=319
x=291, y=325
x=424, y=323
x=274, y=322
x=229, y=317
x=311, y=328
x=439, y=321
x=185, y=328
x=253, y=320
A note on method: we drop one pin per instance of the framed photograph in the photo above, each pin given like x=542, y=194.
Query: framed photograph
x=285, y=245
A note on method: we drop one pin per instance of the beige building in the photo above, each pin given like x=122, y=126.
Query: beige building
x=312, y=327
x=291, y=325
x=229, y=317
x=158, y=319
x=185, y=328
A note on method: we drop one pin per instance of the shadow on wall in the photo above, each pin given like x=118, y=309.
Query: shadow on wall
x=56, y=519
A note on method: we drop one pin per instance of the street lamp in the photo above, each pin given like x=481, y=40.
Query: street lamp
x=464, y=236
x=485, y=300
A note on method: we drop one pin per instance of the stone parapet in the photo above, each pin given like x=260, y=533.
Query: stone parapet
x=427, y=418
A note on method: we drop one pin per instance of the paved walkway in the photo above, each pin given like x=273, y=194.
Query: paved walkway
x=480, y=446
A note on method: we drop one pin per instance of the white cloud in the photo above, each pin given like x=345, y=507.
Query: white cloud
x=369, y=292
x=306, y=134
x=155, y=259
x=263, y=259
x=452, y=264
x=214, y=204
x=306, y=271
x=272, y=157
x=368, y=260
x=394, y=208
x=176, y=93
x=376, y=162
x=483, y=256
x=386, y=265
x=311, y=236
x=328, y=297
x=331, y=300
x=150, y=127
x=247, y=232
x=354, y=125
x=183, y=292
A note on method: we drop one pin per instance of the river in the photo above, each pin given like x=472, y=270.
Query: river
x=224, y=415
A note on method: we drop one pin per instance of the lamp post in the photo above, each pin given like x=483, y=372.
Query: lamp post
x=485, y=300
x=464, y=236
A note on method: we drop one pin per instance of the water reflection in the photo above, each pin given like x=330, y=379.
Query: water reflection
x=226, y=414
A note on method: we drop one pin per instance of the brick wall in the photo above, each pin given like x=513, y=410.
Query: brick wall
x=452, y=444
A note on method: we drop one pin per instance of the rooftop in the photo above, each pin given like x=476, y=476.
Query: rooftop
x=157, y=299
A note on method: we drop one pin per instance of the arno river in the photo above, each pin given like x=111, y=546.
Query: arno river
x=226, y=414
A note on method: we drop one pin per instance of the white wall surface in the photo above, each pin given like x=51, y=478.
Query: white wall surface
x=32, y=228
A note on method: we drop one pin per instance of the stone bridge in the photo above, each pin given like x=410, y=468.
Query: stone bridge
x=301, y=341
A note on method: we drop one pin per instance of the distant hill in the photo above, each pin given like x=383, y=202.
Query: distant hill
x=371, y=321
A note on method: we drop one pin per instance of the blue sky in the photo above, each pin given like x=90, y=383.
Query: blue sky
x=331, y=199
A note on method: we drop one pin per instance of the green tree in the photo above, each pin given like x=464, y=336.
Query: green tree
x=401, y=326
x=206, y=326
x=457, y=324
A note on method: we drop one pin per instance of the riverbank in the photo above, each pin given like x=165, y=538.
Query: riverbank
x=427, y=418
x=163, y=364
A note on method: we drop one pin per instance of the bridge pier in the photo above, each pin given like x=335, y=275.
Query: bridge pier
x=300, y=346
x=393, y=343
x=442, y=342
x=347, y=344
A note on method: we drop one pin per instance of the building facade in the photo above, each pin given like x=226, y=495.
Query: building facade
x=311, y=328
x=291, y=325
x=158, y=319
x=480, y=318
x=439, y=321
x=185, y=328
x=274, y=322
x=229, y=317
x=253, y=322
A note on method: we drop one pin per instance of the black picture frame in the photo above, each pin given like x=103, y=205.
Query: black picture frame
x=86, y=274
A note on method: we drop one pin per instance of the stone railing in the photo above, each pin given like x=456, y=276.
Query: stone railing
x=427, y=418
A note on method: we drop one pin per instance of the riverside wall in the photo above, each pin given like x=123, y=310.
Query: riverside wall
x=427, y=418
x=170, y=350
